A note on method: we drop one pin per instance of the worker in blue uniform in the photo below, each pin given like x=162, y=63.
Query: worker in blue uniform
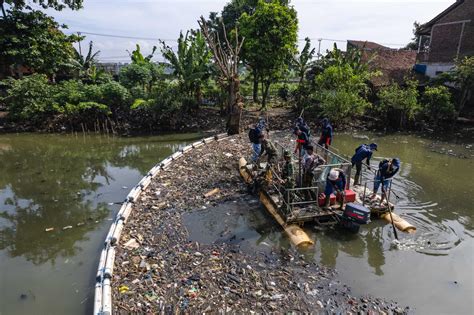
x=303, y=126
x=387, y=169
x=326, y=134
x=335, y=183
x=362, y=152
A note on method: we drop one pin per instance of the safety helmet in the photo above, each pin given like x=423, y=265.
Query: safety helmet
x=373, y=146
x=333, y=174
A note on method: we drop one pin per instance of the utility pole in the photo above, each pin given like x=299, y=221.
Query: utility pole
x=80, y=40
x=319, y=47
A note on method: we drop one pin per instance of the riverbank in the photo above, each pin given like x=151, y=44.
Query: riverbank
x=159, y=269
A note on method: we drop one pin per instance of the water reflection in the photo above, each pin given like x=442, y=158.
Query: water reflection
x=58, y=181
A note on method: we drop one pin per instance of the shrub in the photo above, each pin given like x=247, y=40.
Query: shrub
x=85, y=110
x=437, y=103
x=403, y=100
x=71, y=91
x=114, y=95
x=135, y=75
x=164, y=106
x=340, y=105
x=341, y=91
x=29, y=98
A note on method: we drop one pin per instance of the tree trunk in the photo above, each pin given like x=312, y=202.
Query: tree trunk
x=255, y=86
x=464, y=98
x=198, y=97
x=266, y=88
x=234, y=107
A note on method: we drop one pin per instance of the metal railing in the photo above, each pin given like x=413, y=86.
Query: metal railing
x=296, y=198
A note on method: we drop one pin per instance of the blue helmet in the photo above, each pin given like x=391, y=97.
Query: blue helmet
x=325, y=121
x=396, y=162
x=300, y=120
x=373, y=146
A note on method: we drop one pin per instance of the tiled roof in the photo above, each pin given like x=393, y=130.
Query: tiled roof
x=394, y=64
x=365, y=45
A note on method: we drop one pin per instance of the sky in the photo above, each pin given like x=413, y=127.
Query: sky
x=388, y=22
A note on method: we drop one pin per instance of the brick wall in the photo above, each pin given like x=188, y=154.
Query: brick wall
x=445, y=38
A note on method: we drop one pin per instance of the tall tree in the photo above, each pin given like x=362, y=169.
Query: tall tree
x=229, y=19
x=415, y=41
x=55, y=4
x=271, y=36
x=34, y=40
x=227, y=61
x=191, y=62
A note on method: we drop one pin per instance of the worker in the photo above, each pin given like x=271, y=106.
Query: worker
x=310, y=163
x=269, y=149
x=256, y=137
x=326, y=133
x=302, y=141
x=303, y=126
x=288, y=178
x=387, y=169
x=335, y=183
x=362, y=152
x=261, y=124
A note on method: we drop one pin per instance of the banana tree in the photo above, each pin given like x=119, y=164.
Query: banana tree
x=84, y=65
x=191, y=63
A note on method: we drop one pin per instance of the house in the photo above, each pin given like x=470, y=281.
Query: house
x=393, y=64
x=451, y=36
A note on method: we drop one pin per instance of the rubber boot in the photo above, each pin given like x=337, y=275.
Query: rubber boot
x=356, y=180
x=327, y=202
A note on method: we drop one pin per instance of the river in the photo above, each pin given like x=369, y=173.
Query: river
x=57, y=181
x=61, y=181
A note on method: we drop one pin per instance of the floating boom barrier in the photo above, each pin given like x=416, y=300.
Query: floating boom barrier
x=103, y=287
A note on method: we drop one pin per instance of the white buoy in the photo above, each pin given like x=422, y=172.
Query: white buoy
x=117, y=232
x=106, y=297
x=101, y=266
x=98, y=298
x=109, y=263
x=109, y=234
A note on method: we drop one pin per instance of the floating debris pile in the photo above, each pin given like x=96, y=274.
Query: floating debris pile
x=159, y=269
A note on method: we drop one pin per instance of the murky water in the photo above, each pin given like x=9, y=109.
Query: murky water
x=58, y=181
x=432, y=271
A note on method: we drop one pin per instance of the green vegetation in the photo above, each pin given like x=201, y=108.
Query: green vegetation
x=270, y=34
x=34, y=41
x=191, y=63
x=246, y=51
x=437, y=104
x=402, y=101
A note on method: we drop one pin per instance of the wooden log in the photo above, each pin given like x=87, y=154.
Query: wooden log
x=211, y=192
